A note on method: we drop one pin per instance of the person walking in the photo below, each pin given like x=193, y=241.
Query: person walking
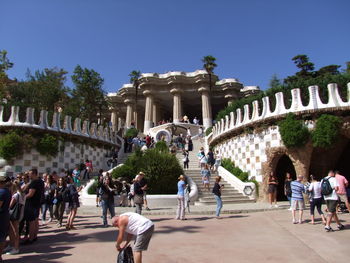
x=211, y=159
x=272, y=189
x=59, y=200
x=217, y=194
x=144, y=186
x=217, y=161
x=124, y=194
x=5, y=199
x=88, y=169
x=206, y=177
x=49, y=190
x=138, y=195
x=107, y=199
x=315, y=200
x=73, y=203
x=343, y=184
x=180, y=212
x=190, y=144
x=297, y=198
x=287, y=188
x=133, y=225
x=18, y=200
x=329, y=188
x=185, y=159
x=32, y=206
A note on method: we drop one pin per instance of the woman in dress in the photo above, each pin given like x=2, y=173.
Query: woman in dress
x=287, y=187
x=217, y=194
x=73, y=203
x=59, y=200
x=211, y=159
x=272, y=189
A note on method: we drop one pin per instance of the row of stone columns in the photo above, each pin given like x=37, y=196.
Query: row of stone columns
x=152, y=113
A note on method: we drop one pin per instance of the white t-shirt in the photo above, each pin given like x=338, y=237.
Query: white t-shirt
x=137, y=224
x=334, y=183
x=315, y=187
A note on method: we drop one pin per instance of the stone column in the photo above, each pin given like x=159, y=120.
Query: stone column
x=177, y=105
x=114, y=120
x=129, y=112
x=148, y=111
x=155, y=113
x=230, y=99
x=206, y=107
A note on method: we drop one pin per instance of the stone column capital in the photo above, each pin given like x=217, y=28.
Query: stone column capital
x=203, y=89
x=176, y=91
x=148, y=93
x=129, y=101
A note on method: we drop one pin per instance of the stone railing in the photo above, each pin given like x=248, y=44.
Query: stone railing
x=99, y=133
x=236, y=121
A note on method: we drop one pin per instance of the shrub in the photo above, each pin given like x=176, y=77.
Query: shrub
x=47, y=145
x=208, y=131
x=11, y=145
x=132, y=132
x=124, y=171
x=326, y=132
x=293, y=131
x=236, y=171
x=162, y=146
x=161, y=169
x=92, y=189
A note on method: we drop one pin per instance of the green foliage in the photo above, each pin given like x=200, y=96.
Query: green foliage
x=162, y=146
x=5, y=63
x=11, y=145
x=161, y=168
x=208, y=131
x=236, y=171
x=326, y=132
x=209, y=63
x=92, y=189
x=47, y=145
x=132, y=132
x=293, y=132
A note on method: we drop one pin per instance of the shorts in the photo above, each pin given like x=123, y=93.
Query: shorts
x=142, y=240
x=31, y=213
x=343, y=198
x=272, y=189
x=144, y=195
x=332, y=205
x=4, y=227
x=298, y=204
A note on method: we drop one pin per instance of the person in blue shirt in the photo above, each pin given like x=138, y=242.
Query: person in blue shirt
x=181, y=185
x=297, y=198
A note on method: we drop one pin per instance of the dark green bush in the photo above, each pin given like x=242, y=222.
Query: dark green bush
x=132, y=132
x=162, y=170
x=208, y=131
x=11, y=145
x=92, y=189
x=293, y=132
x=47, y=145
x=162, y=146
x=326, y=132
x=236, y=171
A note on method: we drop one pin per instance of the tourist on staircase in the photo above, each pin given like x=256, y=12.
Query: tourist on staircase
x=211, y=159
x=185, y=159
x=217, y=161
x=206, y=178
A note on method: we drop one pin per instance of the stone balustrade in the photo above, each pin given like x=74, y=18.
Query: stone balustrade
x=235, y=120
x=93, y=131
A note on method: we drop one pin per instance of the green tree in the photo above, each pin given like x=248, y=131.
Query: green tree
x=5, y=63
x=275, y=82
x=134, y=80
x=88, y=97
x=330, y=69
x=293, y=132
x=209, y=65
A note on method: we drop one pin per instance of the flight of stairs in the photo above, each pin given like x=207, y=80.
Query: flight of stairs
x=229, y=194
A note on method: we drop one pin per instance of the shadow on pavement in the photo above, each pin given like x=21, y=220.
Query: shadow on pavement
x=171, y=229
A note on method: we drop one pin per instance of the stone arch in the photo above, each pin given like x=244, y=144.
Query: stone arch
x=300, y=158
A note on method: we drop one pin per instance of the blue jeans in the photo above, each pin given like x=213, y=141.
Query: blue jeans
x=44, y=207
x=218, y=204
x=107, y=205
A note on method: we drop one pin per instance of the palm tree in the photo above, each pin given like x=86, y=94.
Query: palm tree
x=134, y=79
x=209, y=65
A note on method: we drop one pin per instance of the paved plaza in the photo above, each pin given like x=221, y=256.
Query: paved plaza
x=267, y=236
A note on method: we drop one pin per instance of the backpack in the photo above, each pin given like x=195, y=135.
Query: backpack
x=326, y=188
x=125, y=256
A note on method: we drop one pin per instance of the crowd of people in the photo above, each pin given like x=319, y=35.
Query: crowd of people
x=333, y=190
x=26, y=197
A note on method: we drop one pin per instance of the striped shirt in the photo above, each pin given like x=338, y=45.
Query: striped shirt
x=297, y=190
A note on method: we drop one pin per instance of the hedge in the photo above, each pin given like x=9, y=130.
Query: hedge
x=326, y=132
x=293, y=132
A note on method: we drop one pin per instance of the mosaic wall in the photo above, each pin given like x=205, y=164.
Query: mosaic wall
x=248, y=151
x=72, y=155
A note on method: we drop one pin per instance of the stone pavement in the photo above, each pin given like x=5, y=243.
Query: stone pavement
x=246, y=237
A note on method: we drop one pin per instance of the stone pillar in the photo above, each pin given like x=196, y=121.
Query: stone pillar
x=230, y=99
x=129, y=113
x=177, y=105
x=155, y=113
x=114, y=120
x=148, y=111
x=206, y=107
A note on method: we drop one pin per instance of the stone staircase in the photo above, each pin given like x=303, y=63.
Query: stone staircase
x=229, y=194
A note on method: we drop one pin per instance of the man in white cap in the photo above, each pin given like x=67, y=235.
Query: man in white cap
x=137, y=226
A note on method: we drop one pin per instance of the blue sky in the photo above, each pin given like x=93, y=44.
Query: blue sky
x=251, y=39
